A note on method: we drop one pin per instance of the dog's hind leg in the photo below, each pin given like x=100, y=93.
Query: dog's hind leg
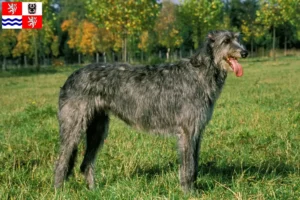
x=96, y=133
x=72, y=121
x=188, y=145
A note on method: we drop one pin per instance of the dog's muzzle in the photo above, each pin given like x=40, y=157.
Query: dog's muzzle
x=244, y=53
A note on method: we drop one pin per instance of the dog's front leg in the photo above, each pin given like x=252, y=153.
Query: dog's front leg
x=188, y=146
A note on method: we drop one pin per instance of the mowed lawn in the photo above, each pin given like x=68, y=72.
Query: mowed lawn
x=250, y=150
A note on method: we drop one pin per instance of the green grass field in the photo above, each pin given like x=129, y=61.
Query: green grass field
x=250, y=150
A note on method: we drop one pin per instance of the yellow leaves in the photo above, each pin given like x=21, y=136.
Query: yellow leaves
x=143, y=45
x=124, y=17
x=246, y=32
x=7, y=33
x=168, y=35
x=130, y=2
x=72, y=27
x=47, y=34
x=23, y=44
x=275, y=12
x=70, y=23
x=55, y=45
x=107, y=23
x=66, y=25
x=213, y=5
x=174, y=32
x=88, y=42
x=85, y=37
x=178, y=41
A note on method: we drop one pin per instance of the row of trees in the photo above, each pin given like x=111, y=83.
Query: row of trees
x=118, y=29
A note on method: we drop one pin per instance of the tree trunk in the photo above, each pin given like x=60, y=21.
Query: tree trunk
x=176, y=55
x=252, y=48
x=274, y=43
x=159, y=54
x=168, y=54
x=36, y=62
x=97, y=57
x=256, y=50
x=124, y=50
x=104, y=57
x=142, y=56
x=25, y=61
x=285, y=44
x=44, y=58
x=4, y=64
x=180, y=54
x=191, y=52
x=79, y=58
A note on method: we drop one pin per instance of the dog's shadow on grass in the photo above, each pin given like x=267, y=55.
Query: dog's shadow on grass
x=156, y=170
x=211, y=173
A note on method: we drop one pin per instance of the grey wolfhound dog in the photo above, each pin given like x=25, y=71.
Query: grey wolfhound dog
x=176, y=99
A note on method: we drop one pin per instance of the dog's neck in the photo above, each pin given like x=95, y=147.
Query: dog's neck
x=207, y=67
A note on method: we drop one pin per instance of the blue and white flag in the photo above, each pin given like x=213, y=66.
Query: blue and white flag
x=12, y=22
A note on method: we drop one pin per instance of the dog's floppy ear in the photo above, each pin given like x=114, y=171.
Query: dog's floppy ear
x=211, y=37
x=237, y=35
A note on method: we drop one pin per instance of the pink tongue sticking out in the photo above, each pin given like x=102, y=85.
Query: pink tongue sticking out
x=237, y=68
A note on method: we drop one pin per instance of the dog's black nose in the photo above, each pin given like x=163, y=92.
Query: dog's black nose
x=244, y=53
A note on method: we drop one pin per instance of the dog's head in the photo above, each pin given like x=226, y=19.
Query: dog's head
x=31, y=8
x=227, y=50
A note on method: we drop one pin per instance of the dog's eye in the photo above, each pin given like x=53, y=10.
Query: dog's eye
x=226, y=41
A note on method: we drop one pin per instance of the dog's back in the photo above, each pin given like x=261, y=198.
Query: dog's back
x=154, y=98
